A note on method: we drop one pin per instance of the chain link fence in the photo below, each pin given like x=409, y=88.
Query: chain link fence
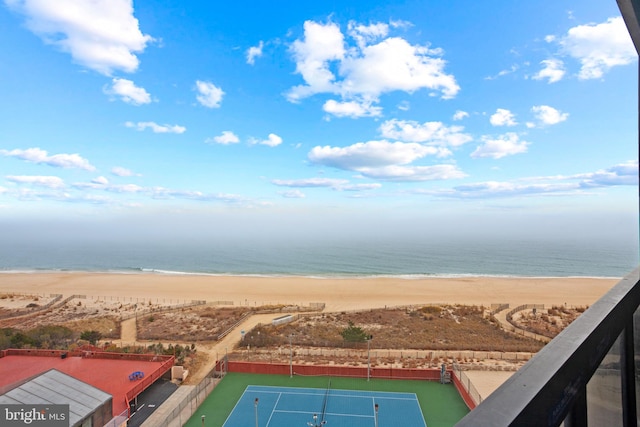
x=467, y=384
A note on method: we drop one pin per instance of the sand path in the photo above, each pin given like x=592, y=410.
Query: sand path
x=128, y=330
x=217, y=350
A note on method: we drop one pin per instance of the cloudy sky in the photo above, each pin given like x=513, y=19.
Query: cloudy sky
x=377, y=112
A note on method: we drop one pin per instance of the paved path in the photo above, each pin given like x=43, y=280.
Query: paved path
x=501, y=317
x=214, y=352
x=128, y=330
x=161, y=414
x=218, y=349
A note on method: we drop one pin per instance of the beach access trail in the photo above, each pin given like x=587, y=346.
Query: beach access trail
x=214, y=351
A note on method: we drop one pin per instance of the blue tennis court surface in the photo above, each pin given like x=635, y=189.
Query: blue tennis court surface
x=292, y=407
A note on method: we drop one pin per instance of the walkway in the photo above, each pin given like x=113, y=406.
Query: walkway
x=218, y=349
x=501, y=317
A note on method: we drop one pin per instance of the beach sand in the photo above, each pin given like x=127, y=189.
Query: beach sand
x=337, y=294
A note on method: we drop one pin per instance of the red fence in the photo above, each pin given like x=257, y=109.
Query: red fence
x=87, y=354
x=348, y=371
x=168, y=362
x=335, y=371
x=149, y=379
x=39, y=352
x=126, y=356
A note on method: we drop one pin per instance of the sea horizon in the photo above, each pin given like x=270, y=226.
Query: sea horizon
x=358, y=258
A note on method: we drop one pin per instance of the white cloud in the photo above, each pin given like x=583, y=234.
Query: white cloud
x=53, y=182
x=502, y=117
x=156, y=128
x=36, y=155
x=459, y=115
x=359, y=187
x=404, y=106
x=394, y=64
x=496, y=189
x=272, y=140
x=432, y=133
x=321, y=44
x=504, y=145
x=385, y=160
x=399, y=23
x=599, y=47
x=102, y=35
x=368, y=66
x=414, y=173
x=367, y=34
x=103, y=184
x=119, y=171
x=370, y=154
x=503, y=73
x=209, y=95
x=100, y=180
x=254, y=52
x=619, y=175
x=227, y=137
x=553, y=70
x=309, y=182
x=353, y=109
x=549, y=115
x=292, y=194
x=128, y=92
x=335, y=184
x=125, y=188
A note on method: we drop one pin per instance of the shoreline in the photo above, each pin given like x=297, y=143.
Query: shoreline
x=315, y=276
x=338, y=294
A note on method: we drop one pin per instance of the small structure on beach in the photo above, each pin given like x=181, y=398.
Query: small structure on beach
x=282, y=320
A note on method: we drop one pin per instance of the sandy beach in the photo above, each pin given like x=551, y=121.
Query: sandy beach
x=337, y=294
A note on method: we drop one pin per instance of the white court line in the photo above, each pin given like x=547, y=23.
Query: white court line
x=274, y=409
x=235, y=406
x=336, y=393
x=337, y=414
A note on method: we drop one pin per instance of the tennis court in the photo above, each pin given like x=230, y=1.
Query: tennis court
x=293, y=406
x=440, y=404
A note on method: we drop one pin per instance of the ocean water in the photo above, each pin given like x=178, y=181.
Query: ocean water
x=332, y=258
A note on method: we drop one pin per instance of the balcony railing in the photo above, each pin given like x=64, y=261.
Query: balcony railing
x=585, y=376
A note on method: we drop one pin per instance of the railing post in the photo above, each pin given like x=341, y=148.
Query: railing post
x=627, y=375
x=577, y=416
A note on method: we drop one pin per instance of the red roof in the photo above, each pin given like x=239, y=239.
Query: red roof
x=108, y=372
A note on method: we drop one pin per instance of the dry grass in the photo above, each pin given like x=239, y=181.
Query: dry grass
x=547, y=322
x=431, y=328
x=201, y=323
x=107, y=326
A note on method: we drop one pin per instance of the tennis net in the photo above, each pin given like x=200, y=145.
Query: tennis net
x=324, y=404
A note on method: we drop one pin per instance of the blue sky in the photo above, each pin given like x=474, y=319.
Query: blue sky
x=394, y=115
